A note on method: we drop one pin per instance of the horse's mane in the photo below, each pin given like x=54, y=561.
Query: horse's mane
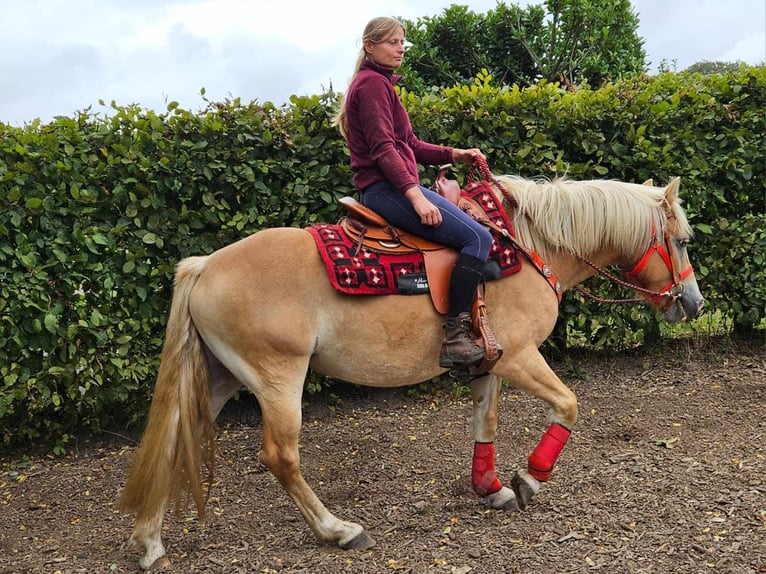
x=585, y=216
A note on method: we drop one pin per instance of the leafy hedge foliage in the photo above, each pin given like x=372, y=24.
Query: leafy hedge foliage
x=96, y=210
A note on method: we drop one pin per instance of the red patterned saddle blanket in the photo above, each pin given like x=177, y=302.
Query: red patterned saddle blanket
x=361, y=270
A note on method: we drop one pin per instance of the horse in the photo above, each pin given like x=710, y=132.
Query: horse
x=260, y=312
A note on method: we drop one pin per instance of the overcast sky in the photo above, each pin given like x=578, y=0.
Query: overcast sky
x=60, y=56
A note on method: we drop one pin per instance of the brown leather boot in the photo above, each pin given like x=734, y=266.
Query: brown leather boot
x=459, y=349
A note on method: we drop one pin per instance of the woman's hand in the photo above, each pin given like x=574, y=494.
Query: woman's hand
x=428, y=212
x=467, y=155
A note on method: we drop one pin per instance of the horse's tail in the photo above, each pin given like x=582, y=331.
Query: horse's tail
x=179, y=436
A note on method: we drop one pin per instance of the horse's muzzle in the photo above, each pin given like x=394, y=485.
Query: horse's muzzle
x=685, y=306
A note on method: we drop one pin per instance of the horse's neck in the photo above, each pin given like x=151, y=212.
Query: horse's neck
x=615, y=223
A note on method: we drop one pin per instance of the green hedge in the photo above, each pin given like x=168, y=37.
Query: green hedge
x=96, y=210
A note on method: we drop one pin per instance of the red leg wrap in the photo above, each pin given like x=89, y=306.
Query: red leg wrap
x=483, y=475
x=540, y=462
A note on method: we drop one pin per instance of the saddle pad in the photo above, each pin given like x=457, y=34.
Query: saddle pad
x=373, y=273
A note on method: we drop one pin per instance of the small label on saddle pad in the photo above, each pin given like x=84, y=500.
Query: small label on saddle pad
x=413, y=284
x=417, y=283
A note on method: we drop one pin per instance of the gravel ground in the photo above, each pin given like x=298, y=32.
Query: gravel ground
x=664, y=473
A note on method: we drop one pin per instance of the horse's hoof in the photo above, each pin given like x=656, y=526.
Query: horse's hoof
x=361, y=541
x=162, y=563
x=525, y=486
x=503, y=499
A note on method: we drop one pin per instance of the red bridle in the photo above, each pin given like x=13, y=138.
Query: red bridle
x=673, y=289
x=666, y=251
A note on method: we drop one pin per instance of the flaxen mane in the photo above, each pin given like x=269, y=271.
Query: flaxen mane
x=583, y=216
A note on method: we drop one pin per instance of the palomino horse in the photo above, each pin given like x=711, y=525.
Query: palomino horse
x=261, y=311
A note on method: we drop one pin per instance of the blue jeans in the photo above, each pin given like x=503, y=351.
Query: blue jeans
x=457, y=229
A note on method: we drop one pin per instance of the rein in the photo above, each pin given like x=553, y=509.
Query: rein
x=487, y=175
x=673, y=289
x=615, y=279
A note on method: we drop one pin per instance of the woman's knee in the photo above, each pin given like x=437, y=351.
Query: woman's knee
x=478, y=239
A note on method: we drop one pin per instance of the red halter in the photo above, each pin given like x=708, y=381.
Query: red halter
x=665, y=250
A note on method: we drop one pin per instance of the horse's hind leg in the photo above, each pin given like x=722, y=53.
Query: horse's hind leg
x=223, y=384
x=147, y=535
x=486, y=391
x=281, y=408
x=147, y=532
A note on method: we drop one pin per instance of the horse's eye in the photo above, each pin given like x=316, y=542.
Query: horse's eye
x=684, y=241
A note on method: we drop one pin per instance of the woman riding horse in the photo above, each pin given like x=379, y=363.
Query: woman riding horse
x=384, y=151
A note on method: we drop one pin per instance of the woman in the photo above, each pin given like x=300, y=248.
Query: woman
x=384, y=154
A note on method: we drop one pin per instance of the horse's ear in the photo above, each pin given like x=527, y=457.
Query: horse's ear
x=671, y=192
x=649, y=182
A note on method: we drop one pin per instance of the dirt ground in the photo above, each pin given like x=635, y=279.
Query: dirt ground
x=665, y=473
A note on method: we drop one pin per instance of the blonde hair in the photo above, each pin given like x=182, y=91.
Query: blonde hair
x=376, y=31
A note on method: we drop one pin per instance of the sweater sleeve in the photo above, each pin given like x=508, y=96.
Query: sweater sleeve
x=429, y=154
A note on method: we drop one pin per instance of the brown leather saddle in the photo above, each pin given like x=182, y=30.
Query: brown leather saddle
x=369, y=230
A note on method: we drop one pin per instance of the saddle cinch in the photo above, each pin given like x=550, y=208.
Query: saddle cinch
x=368, y=229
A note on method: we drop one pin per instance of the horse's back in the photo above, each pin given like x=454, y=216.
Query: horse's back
x=273, y=258
x=277, y=249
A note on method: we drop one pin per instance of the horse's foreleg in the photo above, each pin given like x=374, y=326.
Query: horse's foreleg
x=281, y=429
x=532, y=374
x=484, y=479
x=540, y=463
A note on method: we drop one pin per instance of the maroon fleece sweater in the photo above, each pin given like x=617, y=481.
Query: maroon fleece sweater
x=379, y=133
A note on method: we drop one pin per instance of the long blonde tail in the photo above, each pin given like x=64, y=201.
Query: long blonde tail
x=180, y=434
